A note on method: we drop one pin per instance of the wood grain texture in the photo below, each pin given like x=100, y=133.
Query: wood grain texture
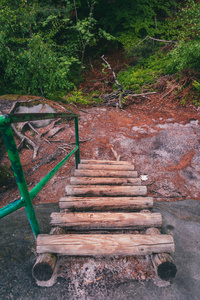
x=105, y=173
x=105, y=190
x=105, y=203
x=104, y=244
x=44, y=267
x=105, y=181
x=107, y=162
x=106, y=167
x=108, y=220
x=163, y=263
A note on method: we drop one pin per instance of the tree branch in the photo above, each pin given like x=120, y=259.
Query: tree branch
x=154, y=39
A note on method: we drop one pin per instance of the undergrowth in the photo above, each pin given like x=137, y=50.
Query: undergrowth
x=78, y=97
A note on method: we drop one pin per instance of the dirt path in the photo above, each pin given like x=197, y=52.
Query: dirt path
x=162, y=137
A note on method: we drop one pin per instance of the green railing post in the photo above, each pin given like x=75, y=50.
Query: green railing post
x=26, y=196
x=77, y=155
x=11, y=147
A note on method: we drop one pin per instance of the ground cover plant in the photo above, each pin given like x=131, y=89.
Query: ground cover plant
x=46, y=47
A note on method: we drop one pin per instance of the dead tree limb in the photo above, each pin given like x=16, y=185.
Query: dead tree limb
x=116, y=81
x=115, y=154
x=154, y=39
x=143, y=94
x=114, y=76
x=24, y=139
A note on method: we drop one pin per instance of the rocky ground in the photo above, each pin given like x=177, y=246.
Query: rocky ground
x=162, y=138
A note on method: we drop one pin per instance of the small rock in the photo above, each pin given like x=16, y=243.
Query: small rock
x=194, y=122
x=144, y=177
x=143, y=277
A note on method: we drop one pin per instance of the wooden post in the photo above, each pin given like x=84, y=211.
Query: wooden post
x=44, y=267
x=45, y=264
x=163, y=263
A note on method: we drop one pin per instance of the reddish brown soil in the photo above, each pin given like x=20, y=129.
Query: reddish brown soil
x=103, y=128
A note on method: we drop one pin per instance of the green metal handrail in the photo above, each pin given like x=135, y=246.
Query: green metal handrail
x=26, y=195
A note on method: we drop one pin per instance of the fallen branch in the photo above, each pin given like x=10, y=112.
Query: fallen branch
x=30, y=126
x=115, y=154
x=154, y=39
x=81, y=141
x=172, y=88
x=110, y=99
x=24, y=139
x=116, y=81
x=62, y=149
x=143, y=94
x=114, y=76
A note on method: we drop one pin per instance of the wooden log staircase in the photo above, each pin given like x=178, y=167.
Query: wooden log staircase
x=106, y=211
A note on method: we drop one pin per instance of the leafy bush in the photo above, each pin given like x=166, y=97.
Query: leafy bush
x=146, y=72
x=196, y=85
x=77, y=97
x=185, y=56
x=39, y=69
x=134, y=79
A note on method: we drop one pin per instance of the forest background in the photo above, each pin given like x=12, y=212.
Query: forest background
x=46, y=46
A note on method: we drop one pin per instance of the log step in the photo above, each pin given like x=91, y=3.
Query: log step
x=106, y=220
x=107, y=162
x=105, y=203
x=105, y=173
x=104, y=244
x=105, y=190
x=105, y=181
x=106, y=167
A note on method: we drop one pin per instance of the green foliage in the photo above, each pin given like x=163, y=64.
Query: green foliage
x=186, y=24
x=134, y=16
x=43, y=42
x=6, y=176
x=185, y=56
x=76, y=97
x=32, y=61
x=145, y=73
x=196, y=85
x=39, y=69
x=134, y=79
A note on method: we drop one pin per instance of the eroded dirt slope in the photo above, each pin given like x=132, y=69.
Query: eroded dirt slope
x=162, y=137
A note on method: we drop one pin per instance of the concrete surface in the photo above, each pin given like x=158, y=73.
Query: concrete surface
x=181, y=219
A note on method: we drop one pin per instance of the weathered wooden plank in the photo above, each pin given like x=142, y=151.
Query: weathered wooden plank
x=108, y=220
x=107, y=162
x=105, y=203
x=104, y=244
x=105, y=181
x=106, y=167
x=105, y=173
x=163, y=262
x=105, y=190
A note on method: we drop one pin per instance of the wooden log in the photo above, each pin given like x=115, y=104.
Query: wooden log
x=163, y=262
x=105, y=173
x=108, y=220
x=105, y=190
x=104, y=162
x=106, y=167
x=44, y=266
x=57, y=230
x=105, y=181
x=105, y=203
x=104, y=244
